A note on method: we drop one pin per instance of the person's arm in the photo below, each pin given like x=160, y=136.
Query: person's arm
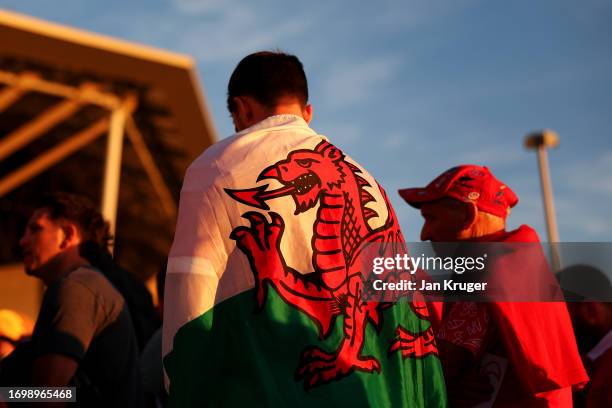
x=68, y=322
x=200, y=253
x=53, y=370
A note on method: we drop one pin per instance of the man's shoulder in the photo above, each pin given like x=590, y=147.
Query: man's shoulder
x=239, y=154
x=267, y=132
x=87, y=279
x=524, y=233
x=82, y=297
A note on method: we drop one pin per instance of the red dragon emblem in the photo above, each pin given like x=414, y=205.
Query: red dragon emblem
x=322, y=176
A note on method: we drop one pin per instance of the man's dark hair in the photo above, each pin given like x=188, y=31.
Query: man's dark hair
x=268, y=77
x=82, y=212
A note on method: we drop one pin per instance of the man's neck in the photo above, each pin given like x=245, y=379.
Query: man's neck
x=63, y=265
x=286, y=109
x=250, y=111
x=486, y=236
x=486, y=226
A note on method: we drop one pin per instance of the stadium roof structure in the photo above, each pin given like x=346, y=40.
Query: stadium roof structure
x=68, y=98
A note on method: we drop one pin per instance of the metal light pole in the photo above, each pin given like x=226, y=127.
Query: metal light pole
x=540, y=141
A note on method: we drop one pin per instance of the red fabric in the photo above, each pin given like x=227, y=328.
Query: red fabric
x=435, y=309
x=538, y=339
x=466, y=325
x=466, y=183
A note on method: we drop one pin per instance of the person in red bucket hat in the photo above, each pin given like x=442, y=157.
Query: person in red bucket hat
x=468, y=203
x=467, y=183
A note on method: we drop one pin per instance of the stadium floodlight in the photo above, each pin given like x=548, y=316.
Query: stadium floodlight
x=540, y=141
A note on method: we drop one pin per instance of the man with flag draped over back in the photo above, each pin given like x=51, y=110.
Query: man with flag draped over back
x=264, y=302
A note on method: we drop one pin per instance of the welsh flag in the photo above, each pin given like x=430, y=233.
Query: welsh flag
x=264, y=290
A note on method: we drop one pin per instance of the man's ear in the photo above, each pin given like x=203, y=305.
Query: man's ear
x=71, y=235
x=248, y=112
x=471, y=215
x=241, y=112
x=307, y=113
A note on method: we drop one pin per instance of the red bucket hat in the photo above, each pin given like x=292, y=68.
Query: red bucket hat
x=468, y=183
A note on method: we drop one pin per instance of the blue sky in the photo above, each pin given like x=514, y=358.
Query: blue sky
x=410, y=88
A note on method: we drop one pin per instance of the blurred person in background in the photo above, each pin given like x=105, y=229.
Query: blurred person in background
x=84, y=335
x=468, y=204
x=151, y=367
x=588, y=292
x=145, y=318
